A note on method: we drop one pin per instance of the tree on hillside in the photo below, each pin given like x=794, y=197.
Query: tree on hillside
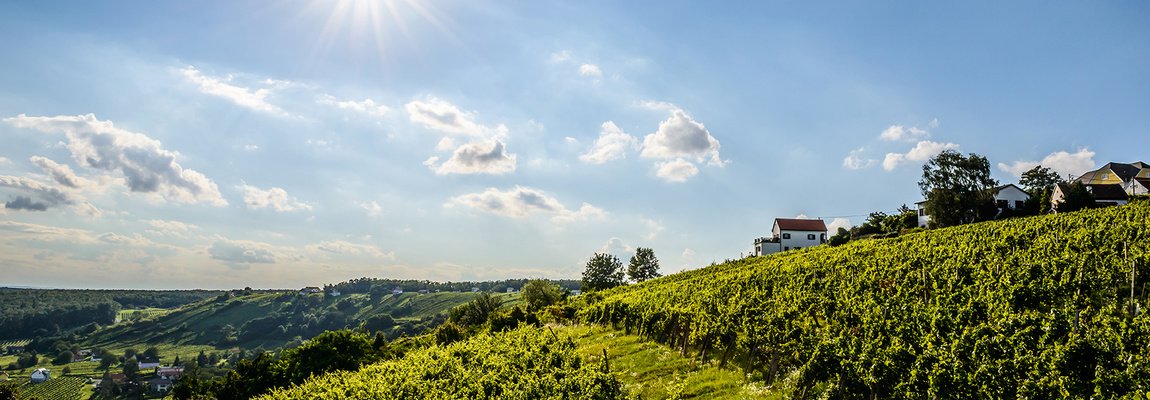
x=1075, y=198
x=958, y=190
x=604, y=271
x=539, y=293
x=643, y=265
x=1039, y=182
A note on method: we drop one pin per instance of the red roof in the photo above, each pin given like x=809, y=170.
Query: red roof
x=811, y=225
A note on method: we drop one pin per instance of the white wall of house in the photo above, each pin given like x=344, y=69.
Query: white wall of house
x=1012, y=195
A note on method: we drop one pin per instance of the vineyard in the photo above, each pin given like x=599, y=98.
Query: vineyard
x=63, y=388
x=527, y=363
x=1041, y=307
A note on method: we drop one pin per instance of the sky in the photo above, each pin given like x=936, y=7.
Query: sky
x=223, y=144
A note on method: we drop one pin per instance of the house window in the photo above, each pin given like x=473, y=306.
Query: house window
x=786, y=236
x=823, y=237
x=1019, y=203
x=1001, y=203
x=786, y=248
x=922, y=212
x=811, y=236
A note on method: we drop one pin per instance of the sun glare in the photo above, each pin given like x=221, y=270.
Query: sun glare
x=371, y=25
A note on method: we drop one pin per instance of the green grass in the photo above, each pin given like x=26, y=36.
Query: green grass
x=655, y=371
x=140, y=314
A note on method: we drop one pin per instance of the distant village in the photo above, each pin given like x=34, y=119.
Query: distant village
x=1111, y=185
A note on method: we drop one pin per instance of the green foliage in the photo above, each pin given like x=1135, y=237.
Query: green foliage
x=476, y=312
x=957, y=189
x=526, y=363
x=540, y=293
x=1076, y=197
x=57, y=388
x=1033, y=307
x=1039, y=182
x=604, y=271
x=46, y=312
x=643, y=265
x=10, y=390
x=840, y=238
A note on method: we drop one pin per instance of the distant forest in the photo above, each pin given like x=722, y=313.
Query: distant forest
x=369, y=285
x=27, y=313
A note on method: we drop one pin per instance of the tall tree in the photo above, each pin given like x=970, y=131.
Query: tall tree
x=643, y=265
x=957, y=189
x=1039, y=182
x=604, y=271
x=539, y=293
x=1075, y=198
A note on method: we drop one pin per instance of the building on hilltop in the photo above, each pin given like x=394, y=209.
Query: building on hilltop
x=792, y=234
x=1006, y=197
x=1133, y=178
x=41, y=375
x=309, y=290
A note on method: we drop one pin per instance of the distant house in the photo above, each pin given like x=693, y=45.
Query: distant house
x=309, y=290
x=792, y=234
x=170, y=373
x=510, y=290
x=424, y=291
x=1006, y=197
x=397, y=291
x=1132, y=178
x=149, y=364
x=1104, y=195
x=41, y=375
x=335, y=293
x=474, y=289
x=159, y=385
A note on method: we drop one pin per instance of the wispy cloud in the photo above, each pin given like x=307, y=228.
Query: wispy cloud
x=440, y=115
x=590, y=70
x=365, y=106
x=922, y=151
x=855, y=160
x=522, y=201
x=254, y=99
x=1064, y=163
x=274, y=198
x=476, y=158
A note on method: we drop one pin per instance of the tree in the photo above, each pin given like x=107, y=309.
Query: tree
x=476, y=311
x=10, y=390
x=958, y=189
x=643, y=265
x=539, y=293
x=1077, y=197
x=604, y=271
x=1039, y=182
x=840, y=238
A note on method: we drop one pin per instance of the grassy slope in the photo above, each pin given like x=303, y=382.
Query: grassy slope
x=656, y=371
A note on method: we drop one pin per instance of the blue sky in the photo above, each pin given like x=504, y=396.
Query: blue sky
x=282, y=144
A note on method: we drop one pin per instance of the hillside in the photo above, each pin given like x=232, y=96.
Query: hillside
x=26, y=313
x=1035, y=307
x=273, y=319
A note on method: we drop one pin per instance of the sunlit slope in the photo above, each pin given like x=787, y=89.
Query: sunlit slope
x=272, y=319
x=526, y=363
x=1035, y=307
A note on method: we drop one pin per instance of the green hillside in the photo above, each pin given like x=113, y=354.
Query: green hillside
x=1036, y=307
x=273, y=319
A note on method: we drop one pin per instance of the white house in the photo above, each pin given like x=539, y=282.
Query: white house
x=397, y=291
x=1006, y=196
x=41, y=375
x=792, y=234
x=309, y=290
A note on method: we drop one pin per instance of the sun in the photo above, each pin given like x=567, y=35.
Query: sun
x=371, y=25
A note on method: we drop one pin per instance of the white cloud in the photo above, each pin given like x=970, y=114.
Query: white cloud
x=241, y=96
x=899, y=133
x=616, y=247
x=445, y=144
x=922, y=151
x=251, y=147
x=560, y=56
x=168, y=227
x=523, y=201
x=854, y=160
x=933, y=123
x=1061, y=162
x=678, y=170
x=242, y=252
x=590, y=70
x=373, y=209
x=60, y=173
x=476, y=158
x=654, y=227
x=366, y=106
x=5, y=161
x=680, y=136
x=348, y=248
x=612, y=144
x=445, y=117
x=145, y=165
x=834, y=225
x=276, y=198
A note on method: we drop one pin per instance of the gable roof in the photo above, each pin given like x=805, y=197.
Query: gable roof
x=1123, y=171
x=791, y=224
x=1108, y=192
x=1003, y=187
